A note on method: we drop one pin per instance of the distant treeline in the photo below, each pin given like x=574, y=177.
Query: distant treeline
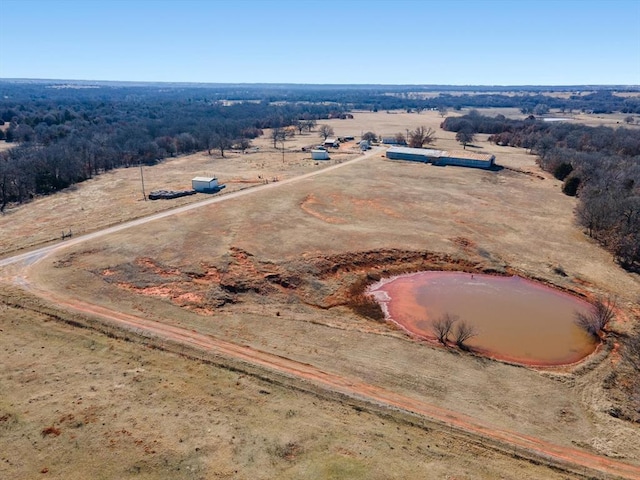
x=600, y=165
x=597, y=102
x=78, y=134
x=364, y=97
x=378, y=98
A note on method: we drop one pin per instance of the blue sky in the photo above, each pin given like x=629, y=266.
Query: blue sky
x=518, y=42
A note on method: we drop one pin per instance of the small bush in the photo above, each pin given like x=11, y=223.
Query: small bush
x=631, y=352
x=559, y=270
x=571, y=186
x=562, y=171
x=288, y=451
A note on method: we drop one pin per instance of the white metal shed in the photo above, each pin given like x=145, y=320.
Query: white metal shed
x=204, y=184
x=319, y=155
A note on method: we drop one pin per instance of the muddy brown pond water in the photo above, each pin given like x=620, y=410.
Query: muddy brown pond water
x=515, y=319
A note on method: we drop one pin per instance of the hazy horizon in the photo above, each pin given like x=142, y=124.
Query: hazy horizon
x=434, y=87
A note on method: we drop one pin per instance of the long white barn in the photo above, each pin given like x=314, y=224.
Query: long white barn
x=460, y=158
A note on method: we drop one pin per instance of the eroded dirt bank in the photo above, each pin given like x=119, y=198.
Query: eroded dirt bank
x=323, y=281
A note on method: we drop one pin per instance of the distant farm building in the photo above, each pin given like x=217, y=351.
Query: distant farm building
x=319, y=155
x=364, y=145
x=205, y=184
x=331, y=143
x=460, y=158
x=393, y=141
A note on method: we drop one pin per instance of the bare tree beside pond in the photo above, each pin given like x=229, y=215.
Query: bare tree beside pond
x=462, y=333
x=595, y=320
x=443, y=326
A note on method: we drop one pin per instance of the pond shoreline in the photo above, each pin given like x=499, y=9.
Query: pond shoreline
x=528, y=323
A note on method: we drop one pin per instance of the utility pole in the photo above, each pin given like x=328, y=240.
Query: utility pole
x=144, y=195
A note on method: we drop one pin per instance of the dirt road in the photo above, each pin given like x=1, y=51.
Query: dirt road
x=574, y=460
x=33, y=256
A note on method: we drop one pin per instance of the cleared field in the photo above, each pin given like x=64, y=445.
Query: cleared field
x=116, y=196
x=258, y=271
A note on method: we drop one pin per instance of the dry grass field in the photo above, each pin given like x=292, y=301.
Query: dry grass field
x=273, y=271
x=78, y=405
x=116, y=196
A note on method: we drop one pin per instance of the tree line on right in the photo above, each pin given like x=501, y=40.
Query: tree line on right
x=598, y=165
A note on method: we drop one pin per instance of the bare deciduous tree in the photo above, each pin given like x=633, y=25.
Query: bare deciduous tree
x=597, y=317
x=310, y=124
x=400, y=139
x=442, y=327
x=462, y=333
x=278, y=134
x=465, y=137
x=221, y=142
x=420, y=136
x=370, y=137
x=325, y=131
x=242, y=144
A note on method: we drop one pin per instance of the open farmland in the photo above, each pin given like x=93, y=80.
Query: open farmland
x=272, y=271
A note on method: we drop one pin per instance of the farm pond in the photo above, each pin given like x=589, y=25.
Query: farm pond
x=515, y=319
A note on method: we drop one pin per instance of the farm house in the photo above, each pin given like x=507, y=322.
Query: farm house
x=319, y=155
x=205, y=184
x=442, y=157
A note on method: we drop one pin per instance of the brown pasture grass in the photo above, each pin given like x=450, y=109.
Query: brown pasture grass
x=513, y=220
x=123, y=410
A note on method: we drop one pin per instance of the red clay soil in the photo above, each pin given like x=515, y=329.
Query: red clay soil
x=531, y=447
